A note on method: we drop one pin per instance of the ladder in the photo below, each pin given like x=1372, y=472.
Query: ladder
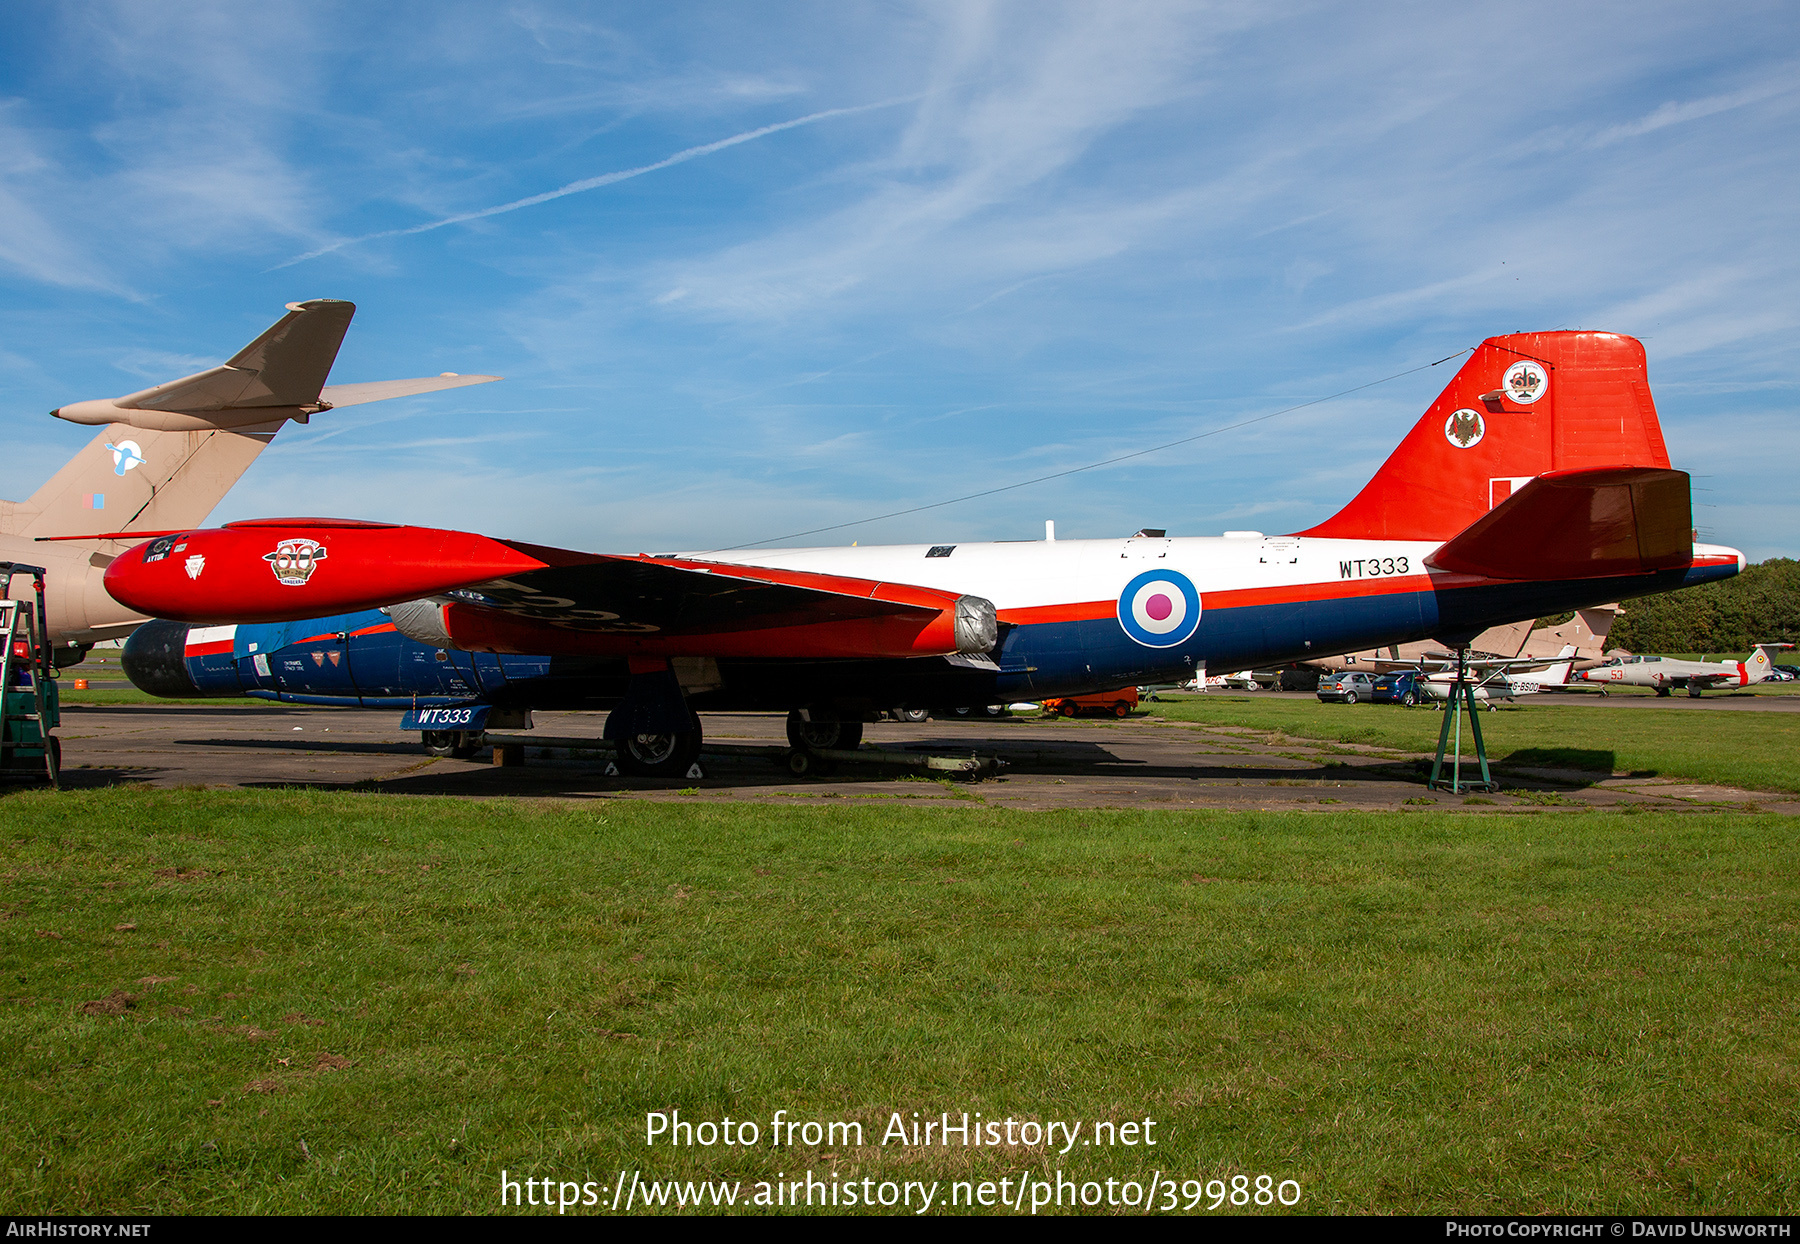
x=29, y=709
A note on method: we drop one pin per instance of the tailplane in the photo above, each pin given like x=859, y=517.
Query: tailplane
x=1523, y=405
x=168, y=454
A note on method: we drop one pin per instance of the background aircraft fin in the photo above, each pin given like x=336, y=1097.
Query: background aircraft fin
x=285, y=366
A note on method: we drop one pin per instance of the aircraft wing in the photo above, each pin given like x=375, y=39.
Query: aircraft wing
x=1446, y=661
x=469, y=591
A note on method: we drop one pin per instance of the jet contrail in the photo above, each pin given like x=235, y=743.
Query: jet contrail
x=594, y=183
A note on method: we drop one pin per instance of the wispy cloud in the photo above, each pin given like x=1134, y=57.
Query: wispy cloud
x=1676, y=113
x=595, y=183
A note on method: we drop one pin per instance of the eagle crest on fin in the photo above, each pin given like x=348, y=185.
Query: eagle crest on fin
x=1464, y=428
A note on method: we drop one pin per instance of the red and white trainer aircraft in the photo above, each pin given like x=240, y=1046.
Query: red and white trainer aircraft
x=1537, y=482
x=1667, y=673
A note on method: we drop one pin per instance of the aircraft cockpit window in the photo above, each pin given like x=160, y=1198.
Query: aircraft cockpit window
x=940, y=550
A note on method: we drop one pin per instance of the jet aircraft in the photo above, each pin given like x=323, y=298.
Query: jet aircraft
x=1537, y=482
x=165, y=457
x=1666, y=673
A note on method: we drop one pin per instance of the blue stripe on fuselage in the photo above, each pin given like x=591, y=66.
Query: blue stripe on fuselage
x=1065, y=658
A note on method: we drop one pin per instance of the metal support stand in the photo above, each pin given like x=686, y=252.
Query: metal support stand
x=1462, y=692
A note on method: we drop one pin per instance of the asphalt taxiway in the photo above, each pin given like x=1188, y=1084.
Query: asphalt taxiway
x=1142, y=762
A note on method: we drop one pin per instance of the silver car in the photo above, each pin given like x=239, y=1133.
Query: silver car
x=1348, y=687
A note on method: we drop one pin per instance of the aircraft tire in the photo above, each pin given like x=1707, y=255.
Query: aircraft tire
x=822, y=735
x=1664, y=691
x=456, y=744
x=660, y=755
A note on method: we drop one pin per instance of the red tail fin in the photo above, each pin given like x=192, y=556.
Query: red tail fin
x=1523, y=405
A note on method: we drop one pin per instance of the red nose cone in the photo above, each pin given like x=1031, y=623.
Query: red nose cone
x=286, y=570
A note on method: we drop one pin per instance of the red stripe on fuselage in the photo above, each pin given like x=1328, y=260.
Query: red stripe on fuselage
x=1287, y=594
x=1240, y=598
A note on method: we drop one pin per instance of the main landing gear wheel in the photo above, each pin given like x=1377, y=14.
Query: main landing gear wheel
x=1664, y=691
x=821, y=735
x=457, y=744
x=660, y=755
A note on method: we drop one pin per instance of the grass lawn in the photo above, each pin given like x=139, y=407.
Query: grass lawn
x=1409, y=1012
x=1753, y=750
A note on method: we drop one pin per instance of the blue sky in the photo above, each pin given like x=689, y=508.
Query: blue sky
x=952, y=246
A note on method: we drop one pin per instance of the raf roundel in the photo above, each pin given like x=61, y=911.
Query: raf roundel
x=1159, y=608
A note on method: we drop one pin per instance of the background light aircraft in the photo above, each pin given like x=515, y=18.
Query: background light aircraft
x=1666, y=673
x=1499, y=680
x=168, y=454
x=1537, y=482
x=1586, y=630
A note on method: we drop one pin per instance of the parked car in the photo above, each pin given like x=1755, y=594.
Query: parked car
x=1791, y=672
x=1400, y=687
x=1347, y=687
x=1107, y=703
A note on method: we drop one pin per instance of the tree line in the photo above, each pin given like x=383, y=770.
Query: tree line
x=1761, y=605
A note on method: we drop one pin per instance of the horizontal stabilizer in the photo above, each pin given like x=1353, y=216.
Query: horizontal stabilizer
x=279, y=376
x=335, y=395
x=1579, y=524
